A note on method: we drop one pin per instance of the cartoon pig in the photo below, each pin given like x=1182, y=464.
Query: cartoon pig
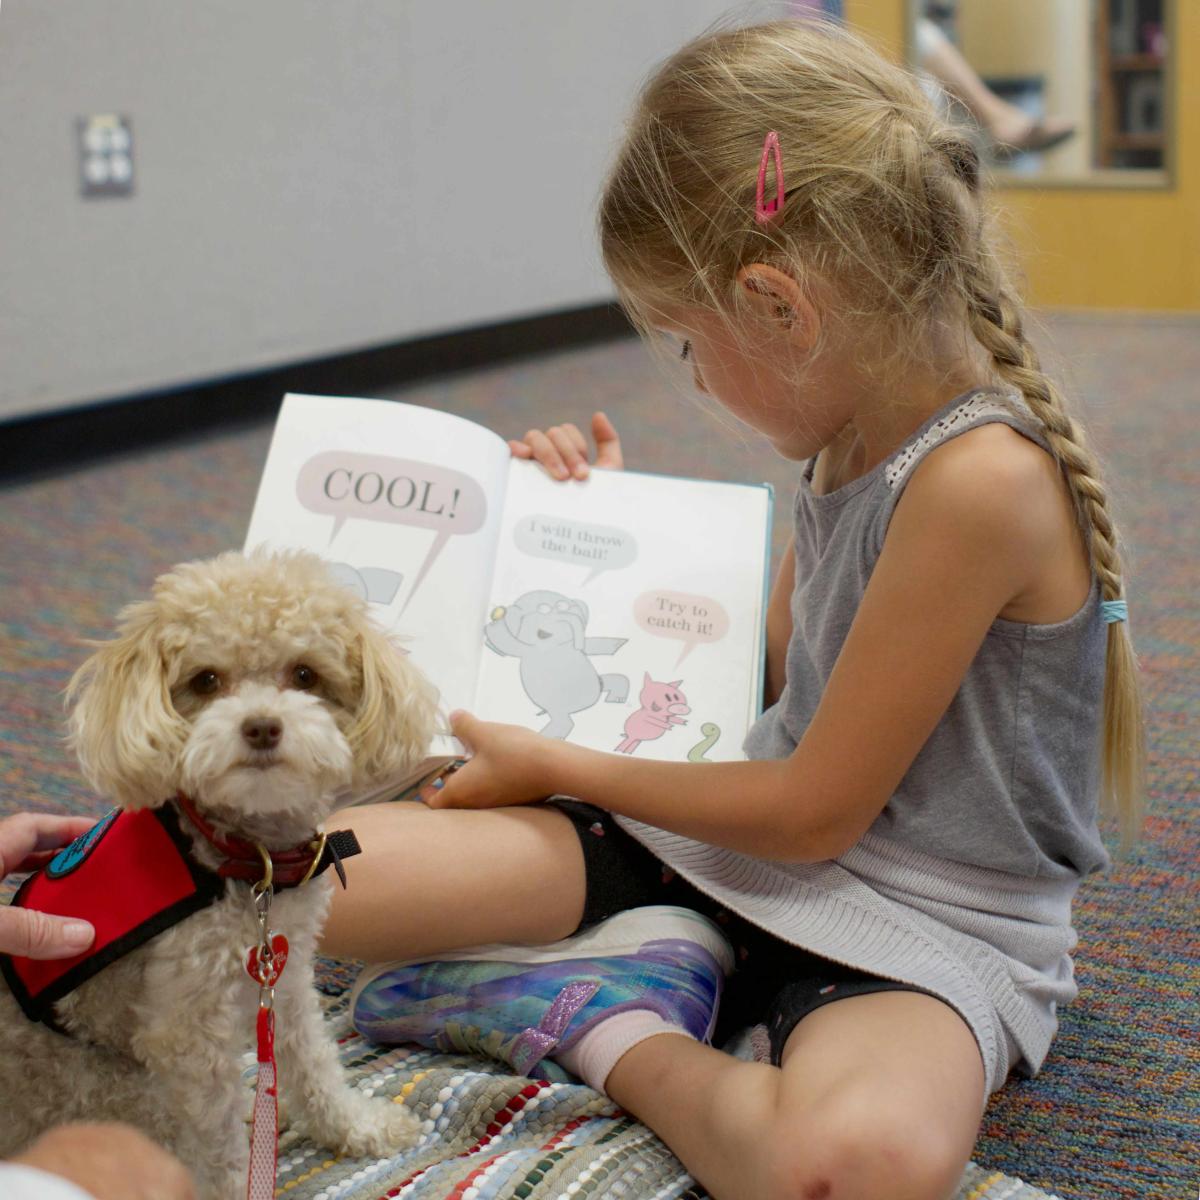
x=663, y=705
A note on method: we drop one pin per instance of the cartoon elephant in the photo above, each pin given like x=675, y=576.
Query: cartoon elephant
x=547, y=632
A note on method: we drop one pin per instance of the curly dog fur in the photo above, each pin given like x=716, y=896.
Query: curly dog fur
x=169, y=705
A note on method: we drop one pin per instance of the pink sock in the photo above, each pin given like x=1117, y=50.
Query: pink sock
x=597, y=1052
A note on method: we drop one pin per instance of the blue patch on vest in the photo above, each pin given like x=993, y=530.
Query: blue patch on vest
x=74, y=855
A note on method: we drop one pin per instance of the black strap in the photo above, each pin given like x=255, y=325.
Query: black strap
x=341, y=843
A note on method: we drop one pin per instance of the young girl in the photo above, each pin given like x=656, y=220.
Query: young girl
x=950, y=674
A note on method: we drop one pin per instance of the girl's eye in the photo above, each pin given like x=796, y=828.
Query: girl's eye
x=303, y=677
x=687, y=349
x=205, y=683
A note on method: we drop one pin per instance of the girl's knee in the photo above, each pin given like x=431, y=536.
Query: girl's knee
x=858, y=1146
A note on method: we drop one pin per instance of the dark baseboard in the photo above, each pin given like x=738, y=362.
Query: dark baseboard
x=43, y=445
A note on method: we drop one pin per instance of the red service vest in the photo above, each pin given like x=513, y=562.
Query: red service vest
x=132, y=877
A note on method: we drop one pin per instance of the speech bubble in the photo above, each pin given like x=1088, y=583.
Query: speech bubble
x=680, y=615
x=397, y=491
x=601, y=547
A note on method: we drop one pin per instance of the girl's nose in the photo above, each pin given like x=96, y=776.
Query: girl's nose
x=698, y=380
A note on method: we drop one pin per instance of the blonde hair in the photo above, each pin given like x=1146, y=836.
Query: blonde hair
x=884, y=214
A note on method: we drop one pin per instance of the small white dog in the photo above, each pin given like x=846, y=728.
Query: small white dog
x=261, y=690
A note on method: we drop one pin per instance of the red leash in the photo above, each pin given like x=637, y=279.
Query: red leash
x=265, y=964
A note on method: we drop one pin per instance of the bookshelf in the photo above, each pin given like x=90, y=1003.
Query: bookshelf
x=1131, y=84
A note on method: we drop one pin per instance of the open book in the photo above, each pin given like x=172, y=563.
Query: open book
x=625, y=613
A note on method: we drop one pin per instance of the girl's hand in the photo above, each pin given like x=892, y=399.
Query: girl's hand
x=508, y=766
x=563, y=451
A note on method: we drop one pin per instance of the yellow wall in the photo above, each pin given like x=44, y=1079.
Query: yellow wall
x=1050, y=38
x=1111, y=247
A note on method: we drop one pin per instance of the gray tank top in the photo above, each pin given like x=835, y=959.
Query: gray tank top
x=1009, y=778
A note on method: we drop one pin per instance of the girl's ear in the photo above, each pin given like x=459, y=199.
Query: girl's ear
x=397, y=707
x=123, y=726
x=775, y=296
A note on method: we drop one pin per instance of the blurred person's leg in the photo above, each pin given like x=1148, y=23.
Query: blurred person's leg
x=1006, y=124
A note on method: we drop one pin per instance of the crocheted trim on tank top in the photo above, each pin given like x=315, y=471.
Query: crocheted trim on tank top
x=983, y=404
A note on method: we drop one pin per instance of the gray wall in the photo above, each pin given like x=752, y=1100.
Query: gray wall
x=311, y=176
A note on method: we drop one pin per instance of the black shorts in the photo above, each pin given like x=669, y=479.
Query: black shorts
x=773, y=983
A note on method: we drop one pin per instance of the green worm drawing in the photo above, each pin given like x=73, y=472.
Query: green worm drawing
x=712, y=735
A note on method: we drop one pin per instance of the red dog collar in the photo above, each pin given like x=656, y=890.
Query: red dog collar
x=253, y=863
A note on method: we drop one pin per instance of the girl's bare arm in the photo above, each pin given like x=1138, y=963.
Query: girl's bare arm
x=970, y=533
x=779, y=627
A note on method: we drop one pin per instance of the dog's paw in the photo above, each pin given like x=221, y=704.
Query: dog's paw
x=389, y=1128
x=364, y=1127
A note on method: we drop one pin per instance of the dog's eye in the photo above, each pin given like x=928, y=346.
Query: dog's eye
x=205, y=683
x=303, y=677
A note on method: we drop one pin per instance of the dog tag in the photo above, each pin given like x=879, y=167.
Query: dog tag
x=279, y=955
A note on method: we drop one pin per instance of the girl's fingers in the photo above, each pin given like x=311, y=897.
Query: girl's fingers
x=562, y=450
x=572, y=445
x=546, y=453
x=608, y=443
x=448, y=792
x=464, y=726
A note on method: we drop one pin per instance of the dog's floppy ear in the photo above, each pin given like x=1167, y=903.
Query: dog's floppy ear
x=397, y=707
x=123, y=725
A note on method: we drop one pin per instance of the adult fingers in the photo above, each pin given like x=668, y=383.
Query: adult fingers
x=24, y=834
x=110, y=1161
x=608, y=443
x=31, y=934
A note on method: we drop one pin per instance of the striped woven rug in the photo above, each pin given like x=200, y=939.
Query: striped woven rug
x=1113, y=1115
x=487, y=1135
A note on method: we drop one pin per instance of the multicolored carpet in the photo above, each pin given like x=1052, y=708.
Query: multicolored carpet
x=487, y=1135
x=1115, y=1114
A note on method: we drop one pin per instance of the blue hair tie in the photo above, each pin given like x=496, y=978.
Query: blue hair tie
x=1114, y=610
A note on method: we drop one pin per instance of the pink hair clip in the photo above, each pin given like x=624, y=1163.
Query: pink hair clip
x=766, y=211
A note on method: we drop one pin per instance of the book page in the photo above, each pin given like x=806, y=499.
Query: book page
x=405, y=503
x=627, y=612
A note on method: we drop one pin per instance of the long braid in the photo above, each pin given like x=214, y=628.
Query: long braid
x=995, y=317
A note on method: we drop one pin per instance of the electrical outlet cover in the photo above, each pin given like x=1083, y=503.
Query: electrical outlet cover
x=105, y=155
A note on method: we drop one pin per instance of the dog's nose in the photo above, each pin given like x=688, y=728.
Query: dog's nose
x=263, y=733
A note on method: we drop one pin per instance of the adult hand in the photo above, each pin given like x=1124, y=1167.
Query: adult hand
x=27, y=841
x=508, y=765
x=111, y=1161
x=563, y=451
